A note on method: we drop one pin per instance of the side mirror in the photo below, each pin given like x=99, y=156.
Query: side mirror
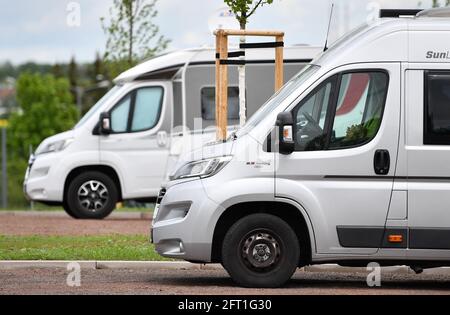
x=105, y=124
x=285, y=123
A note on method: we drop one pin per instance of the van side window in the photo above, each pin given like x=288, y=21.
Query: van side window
x=310, y=116
x=344, y=111
x=208, y=96
x=119, y=115
x=147, y=108
x=359, y=109
x=437, y=108
x=139, y=110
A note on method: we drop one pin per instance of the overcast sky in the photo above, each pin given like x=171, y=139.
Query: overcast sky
x=38, y=31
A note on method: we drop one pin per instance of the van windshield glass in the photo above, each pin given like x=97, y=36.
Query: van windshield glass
x=98, y=105
x=279, y=97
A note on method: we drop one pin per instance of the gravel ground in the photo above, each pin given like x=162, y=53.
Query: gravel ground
x=66, y=226
x=210, y=282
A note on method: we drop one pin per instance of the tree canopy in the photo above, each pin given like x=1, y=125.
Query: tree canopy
x=46, y=109
x=244, y=9
x=131, y=33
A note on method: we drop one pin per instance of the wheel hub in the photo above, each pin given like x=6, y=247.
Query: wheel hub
x=93, y=195
x=261, y=250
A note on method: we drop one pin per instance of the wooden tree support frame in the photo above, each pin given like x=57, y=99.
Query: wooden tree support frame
x=222, y=63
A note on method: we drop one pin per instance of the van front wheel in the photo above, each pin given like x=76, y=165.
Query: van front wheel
x=91, y=195
x=261, y=250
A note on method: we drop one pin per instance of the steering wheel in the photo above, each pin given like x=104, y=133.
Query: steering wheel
x=312, y=121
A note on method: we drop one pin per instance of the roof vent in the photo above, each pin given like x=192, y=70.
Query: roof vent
x=438, y=12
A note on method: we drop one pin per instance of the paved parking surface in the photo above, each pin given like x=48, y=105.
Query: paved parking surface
x=204, y=282
x=192, y=282
x=61, y=224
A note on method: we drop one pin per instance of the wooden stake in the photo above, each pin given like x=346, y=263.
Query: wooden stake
x=279, y=68
x=218, y=84
x=223, y=89
x=222, y=72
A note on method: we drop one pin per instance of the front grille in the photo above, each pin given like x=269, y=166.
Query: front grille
x=161, y=195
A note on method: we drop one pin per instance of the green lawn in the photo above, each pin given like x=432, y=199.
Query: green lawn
x=73, y=248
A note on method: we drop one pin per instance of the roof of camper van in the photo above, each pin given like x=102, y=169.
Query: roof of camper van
x=173, y=61
x=404, y=39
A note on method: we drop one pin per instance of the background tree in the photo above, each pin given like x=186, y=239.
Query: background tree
x=46, y=109
x=97, y=69
x=57, y=71
x=437, y=3
x=243, y=10
x=131, y=34
x=73, y=72
x=73, y=76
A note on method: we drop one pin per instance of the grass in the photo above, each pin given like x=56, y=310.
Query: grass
x=73, y=248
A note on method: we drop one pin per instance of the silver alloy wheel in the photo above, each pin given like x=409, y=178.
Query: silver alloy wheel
x=260, y=250
x=93, y=195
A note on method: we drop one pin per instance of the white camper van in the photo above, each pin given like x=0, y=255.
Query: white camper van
x=120, y=149
x=348, y=164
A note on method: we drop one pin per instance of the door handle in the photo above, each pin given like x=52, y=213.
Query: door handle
x=382, y=162
x=161, y=139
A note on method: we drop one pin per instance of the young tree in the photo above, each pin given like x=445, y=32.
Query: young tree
x=132, y=35
x=243, y=10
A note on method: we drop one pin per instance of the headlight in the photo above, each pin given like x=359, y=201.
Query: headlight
x=54, y=146
x=203, y=168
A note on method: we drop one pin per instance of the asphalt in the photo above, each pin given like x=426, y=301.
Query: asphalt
x=45, y=281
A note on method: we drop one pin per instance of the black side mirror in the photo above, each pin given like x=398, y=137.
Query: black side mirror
x=285, y=123
x=105, y=124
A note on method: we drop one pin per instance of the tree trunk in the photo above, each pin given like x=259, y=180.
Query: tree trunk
x=131, y=34
x=242, y=94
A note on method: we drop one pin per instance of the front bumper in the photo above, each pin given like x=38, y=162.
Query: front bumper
x=43, y=180
x=182, y=226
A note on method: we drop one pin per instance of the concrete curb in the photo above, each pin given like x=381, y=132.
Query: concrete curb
x=180, y=265
x=43, y=264
x=148, y=265
x=62, y=214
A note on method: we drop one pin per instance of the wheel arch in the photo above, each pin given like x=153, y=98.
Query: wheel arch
x=105, y=169
x=288, y=212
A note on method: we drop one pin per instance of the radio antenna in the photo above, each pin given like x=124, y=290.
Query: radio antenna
x=329, y=27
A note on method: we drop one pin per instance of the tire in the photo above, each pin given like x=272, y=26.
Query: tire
x=260, y=251
x=68, y=210
x=91, y=195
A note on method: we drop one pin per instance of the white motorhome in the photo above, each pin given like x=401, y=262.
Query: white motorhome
x=120, y=149
x=347, y=164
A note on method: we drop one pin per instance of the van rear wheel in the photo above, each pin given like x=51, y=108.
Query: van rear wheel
x=261, y=250
x=91, y=195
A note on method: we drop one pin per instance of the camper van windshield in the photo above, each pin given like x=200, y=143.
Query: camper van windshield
x=94, y=109
x=278, y=97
